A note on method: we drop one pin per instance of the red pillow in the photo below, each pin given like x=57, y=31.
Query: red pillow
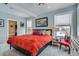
x=37, y=33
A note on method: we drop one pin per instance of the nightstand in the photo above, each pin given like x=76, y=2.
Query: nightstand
x=55, y=42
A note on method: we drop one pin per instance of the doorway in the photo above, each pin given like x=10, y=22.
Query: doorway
x=12, y=28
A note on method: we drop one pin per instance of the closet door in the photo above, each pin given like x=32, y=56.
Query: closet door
x=12, y=28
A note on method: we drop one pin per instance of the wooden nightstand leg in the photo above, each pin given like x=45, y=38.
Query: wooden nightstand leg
x=10, y=46
x=60, y=46
x=69, y=50
x=50, y=43
x=76, y=50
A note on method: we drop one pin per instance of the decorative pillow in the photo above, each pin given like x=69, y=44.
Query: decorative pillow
x=43, y=32
x=48, y=33
x=37, y=33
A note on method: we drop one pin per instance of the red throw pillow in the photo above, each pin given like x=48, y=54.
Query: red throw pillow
x=37, y=33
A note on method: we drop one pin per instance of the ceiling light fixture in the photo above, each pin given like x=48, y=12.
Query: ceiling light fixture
x=41, y=4
x=5, y=3
x=44, y=5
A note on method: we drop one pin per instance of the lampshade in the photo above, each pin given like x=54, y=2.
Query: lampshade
x=29, y=29
x=55, y=29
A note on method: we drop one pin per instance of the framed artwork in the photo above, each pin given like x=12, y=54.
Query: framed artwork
x=21, y=24
x=41, y=22
x=1, y=22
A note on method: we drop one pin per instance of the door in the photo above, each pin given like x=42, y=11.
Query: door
x=12, y=28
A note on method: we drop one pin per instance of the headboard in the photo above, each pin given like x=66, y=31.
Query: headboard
x=40, y=30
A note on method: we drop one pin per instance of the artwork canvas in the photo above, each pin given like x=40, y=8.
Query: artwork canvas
x=1, y=22
x=21, y=24
x=42, y=22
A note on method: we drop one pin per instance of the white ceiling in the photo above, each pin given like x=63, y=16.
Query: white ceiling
x=31, y=9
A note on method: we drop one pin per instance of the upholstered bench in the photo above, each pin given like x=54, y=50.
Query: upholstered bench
x=67, y=44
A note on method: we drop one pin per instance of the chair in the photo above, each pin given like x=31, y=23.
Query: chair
x=66, y=42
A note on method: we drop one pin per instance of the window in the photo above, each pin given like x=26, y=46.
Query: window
x=64, y=19
x=65, y=29
x=63, y=22
x=29, y=26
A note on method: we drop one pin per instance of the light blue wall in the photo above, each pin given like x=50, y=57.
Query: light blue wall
x=4, y=31
x=78, y=20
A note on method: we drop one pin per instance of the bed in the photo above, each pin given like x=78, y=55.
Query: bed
x=31, y=45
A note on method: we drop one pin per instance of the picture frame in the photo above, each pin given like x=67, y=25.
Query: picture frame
x=41, y=22
x=21, y=24
x=1, y=22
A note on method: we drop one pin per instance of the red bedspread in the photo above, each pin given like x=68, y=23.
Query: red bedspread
x=32, y=43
